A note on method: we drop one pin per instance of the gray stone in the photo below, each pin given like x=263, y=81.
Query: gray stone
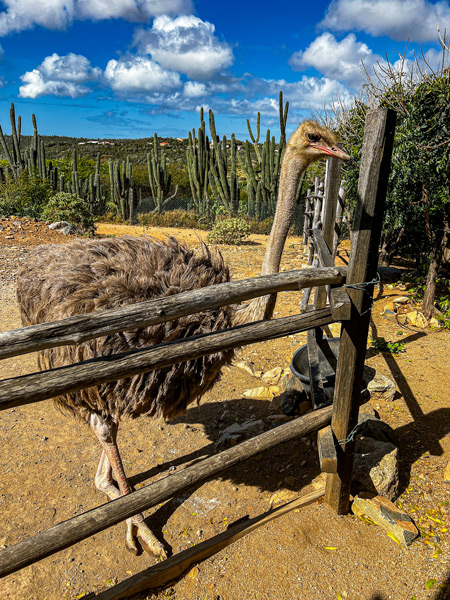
x=68, y=230
x=375, y=468
x=381, y=386
x=240, y=431
x=290, y=382
x=59, y=225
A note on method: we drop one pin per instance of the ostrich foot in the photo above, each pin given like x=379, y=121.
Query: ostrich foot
x=140, y=537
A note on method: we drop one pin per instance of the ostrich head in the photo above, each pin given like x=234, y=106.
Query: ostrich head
x=312, y=141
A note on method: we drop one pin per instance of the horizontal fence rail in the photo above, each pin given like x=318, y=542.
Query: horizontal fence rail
x=77, y=329
x=47, y=384
x=69, y=532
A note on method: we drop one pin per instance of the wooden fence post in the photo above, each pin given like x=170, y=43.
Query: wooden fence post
x=331, y=191
x=372, y=186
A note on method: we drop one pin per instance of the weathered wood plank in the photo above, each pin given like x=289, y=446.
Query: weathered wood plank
x=339, y=217
x=77, y=329
x=69, y=532
x=47, y=384
x=341, y=305
x=327, y=450
x=315, y=377
x=331, y=191
x=162, y=574
x=372, y=186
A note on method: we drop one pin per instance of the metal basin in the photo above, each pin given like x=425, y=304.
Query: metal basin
x=300, y=368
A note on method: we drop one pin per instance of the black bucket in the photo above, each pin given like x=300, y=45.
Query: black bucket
x=300, y=367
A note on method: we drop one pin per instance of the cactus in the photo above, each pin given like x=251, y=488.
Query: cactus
x=121, y=186
x=160, y=181
x=198, y=157
x=225, y=189
x=263, y=173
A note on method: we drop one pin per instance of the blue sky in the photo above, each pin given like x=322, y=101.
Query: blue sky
x=127, y=68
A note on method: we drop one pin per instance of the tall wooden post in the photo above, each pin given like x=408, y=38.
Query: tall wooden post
x=372, y=186
x=331, y=191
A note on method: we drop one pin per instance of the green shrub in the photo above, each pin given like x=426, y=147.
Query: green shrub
x=24, y=196
x=229, y=231
x=68, y=207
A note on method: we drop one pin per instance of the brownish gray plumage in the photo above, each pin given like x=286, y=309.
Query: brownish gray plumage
x=88, y=276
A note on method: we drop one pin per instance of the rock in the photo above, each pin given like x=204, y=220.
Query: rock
x=375, y=468
x=401, y=300
x=390, y=315
x=273, y=376
x=402, y=319
x=381, y=386
x=370, y=425
x=447, y=473
x=389, y=307
x=246, y=366
x=290, y=401
x=290, y=382
x=290, y=481
x=9, y=237
x=417, y=319
x=70, y=229
x=367, y=410
x=282, y=495
x=59, y=225
x=433, y=322
x=274, y=406
x=385, y=514
x=240, y=431
x=261, y=393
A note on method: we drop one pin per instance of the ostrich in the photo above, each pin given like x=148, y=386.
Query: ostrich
x=86, y=276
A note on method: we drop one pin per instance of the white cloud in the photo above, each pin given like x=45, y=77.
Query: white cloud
x=59, y=14
x=336, y=60
x=398, y=19
x=194, y=89
x=139, y=75
x=131, y=10
x=59, y=76
x=185, y=44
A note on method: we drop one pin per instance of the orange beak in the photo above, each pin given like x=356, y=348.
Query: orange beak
x=332, y=151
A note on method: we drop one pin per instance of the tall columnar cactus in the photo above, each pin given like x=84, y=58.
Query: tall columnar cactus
x=122, y=186
x=159, y=179
x=198, y=159
x=225, y=187
x=263, y=171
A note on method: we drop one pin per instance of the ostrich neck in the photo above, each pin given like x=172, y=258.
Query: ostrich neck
x=291, y=170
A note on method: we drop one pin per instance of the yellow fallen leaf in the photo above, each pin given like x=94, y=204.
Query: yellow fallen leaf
x=435, y=520
x=393, y=537
x=330, y=548
x=443, y=529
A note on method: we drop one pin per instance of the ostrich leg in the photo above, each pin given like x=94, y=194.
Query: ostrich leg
x=111, y=464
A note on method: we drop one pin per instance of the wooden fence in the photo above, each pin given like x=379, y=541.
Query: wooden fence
x=349, y=293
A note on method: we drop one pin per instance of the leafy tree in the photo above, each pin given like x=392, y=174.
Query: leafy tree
x=418, y=203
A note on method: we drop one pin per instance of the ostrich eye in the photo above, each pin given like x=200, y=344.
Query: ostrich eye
x=313, y=137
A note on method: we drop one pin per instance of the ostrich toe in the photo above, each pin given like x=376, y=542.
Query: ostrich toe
x=140, y=537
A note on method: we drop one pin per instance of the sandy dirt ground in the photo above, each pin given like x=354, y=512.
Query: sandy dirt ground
x=48, y=462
